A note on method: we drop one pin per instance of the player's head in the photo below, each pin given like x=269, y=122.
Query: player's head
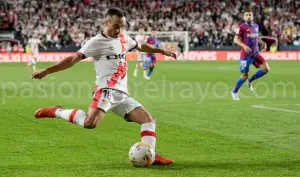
x=35, y=35
x=153, y=33
x=115, y=22
x=248, y=17
x=141, y=31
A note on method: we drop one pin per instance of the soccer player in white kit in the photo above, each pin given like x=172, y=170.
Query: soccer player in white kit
x=34, y=43
x=108, y=51
x=141, y=56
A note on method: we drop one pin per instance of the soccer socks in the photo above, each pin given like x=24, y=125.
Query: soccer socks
x=148, y=134
x=145, y=73
x=33, y=67
x=33, y=63
x=72, y=115
x=257, y=75
x=238, y=84
x=150, y=70
x=136, y=70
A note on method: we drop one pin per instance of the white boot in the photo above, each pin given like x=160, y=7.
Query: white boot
x=235, y=96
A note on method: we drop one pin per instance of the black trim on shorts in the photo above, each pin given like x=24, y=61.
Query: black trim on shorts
x=102, y=110
x=126, y=115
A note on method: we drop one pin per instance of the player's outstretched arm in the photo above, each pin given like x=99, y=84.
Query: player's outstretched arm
x=238, y=41
x=260, y=42
x=59, y=66
x=144, y=47
x=41, y=44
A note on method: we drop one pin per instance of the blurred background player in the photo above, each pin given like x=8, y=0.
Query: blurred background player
x=141, y=56
x=150, y=57
x=247, y=37
x=34, y=43
x=180, y=47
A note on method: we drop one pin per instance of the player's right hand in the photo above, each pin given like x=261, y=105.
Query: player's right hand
x=170, y=54
x=247, y=49
x=39, y=74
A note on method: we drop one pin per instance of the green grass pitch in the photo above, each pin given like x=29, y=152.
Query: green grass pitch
x=198, y=124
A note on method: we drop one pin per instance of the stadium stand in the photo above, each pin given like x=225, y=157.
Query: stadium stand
x=64, y=23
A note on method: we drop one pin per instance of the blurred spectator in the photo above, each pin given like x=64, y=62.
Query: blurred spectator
x=63, y=23
x=273, y=47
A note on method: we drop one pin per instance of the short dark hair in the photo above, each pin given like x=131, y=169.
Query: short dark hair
x=115, y=11
x=247, y=10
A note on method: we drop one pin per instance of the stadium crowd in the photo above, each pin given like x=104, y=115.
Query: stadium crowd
x=62, y=23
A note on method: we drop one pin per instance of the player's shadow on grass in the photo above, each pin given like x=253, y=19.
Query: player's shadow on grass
x=229, y=165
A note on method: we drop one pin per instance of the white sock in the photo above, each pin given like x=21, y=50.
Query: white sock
x=33, y=63
x=33, y=67
x=148, y=133
x=72, y=115
x=145, y=73
x=136, y=70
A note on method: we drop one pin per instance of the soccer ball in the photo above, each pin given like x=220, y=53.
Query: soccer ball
x=141, y=154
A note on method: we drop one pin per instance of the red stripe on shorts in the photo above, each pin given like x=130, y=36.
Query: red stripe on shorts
x=97, y=96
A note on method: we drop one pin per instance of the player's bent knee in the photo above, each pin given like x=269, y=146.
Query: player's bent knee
x=244, y=76
x=149, y=119
x=265, y=69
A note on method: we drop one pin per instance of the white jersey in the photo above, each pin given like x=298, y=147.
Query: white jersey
x=109, y=55
x=34, y=44
x=140, y=39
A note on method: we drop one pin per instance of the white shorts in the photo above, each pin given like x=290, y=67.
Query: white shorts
x=141, y=57
x=118, y=102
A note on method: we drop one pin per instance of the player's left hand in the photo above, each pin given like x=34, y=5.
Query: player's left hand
x=39, y=74
x=264, y=47
x=170, y=54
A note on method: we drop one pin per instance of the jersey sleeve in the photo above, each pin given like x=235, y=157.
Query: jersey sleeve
x=89, y=49
x=131, y=44
x=239, y=31
x=136, y=38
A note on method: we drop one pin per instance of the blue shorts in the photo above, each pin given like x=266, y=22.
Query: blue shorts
x=245, y=64
x=149, y=60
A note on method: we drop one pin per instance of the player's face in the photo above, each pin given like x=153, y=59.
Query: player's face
x=153, y=34
x=115, y=25
x=141, y=30
x=248, y=17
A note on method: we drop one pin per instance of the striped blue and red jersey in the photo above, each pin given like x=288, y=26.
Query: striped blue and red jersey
x=152, y=41
x=248, y=34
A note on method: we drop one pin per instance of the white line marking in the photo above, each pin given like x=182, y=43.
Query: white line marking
x=284, y=105
x=276, y=109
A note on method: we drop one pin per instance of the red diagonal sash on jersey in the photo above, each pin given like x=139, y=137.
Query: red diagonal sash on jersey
x=122, y=67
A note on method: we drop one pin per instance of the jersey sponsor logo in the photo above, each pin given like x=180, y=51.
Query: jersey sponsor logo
x=115, y=57
x=253, y=35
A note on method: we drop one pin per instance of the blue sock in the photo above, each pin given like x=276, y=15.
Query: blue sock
x=150, y=70
x=257, y=75
x=238, y=84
